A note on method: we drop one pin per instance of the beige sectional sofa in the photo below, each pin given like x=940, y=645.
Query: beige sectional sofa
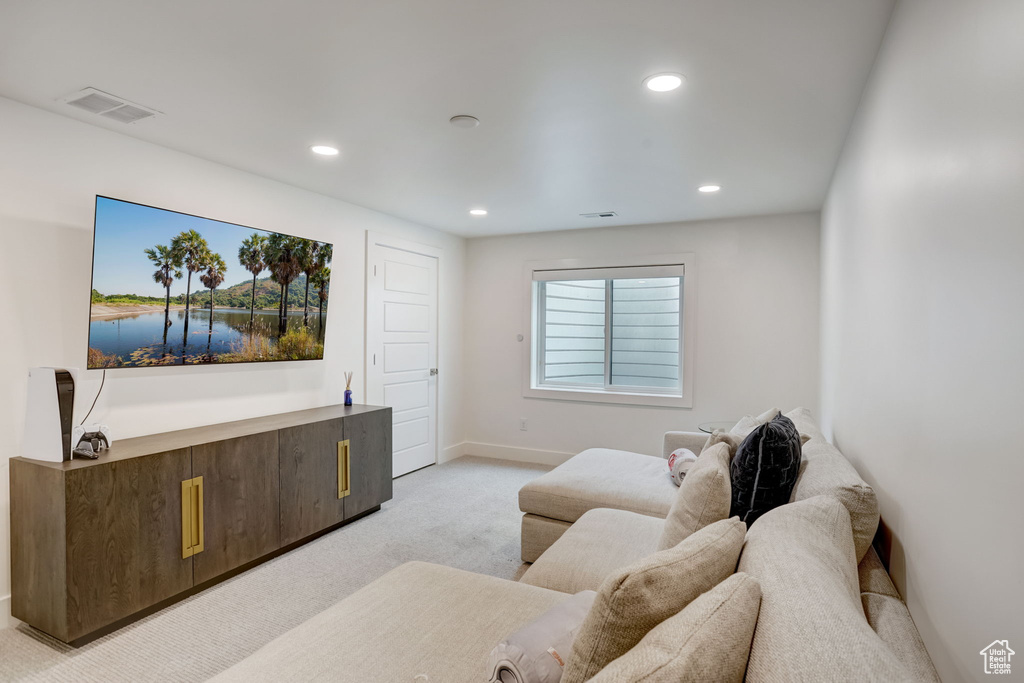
x=828, y=611
x=603, y=478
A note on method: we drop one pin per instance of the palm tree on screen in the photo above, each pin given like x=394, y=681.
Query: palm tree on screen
x=321, y=280
x=252, y=256
x=167, y=271
x=282, y=261
x=324, y=258
x=325, y=255
x=213, y=277
x=309, y=262
x=190, y=249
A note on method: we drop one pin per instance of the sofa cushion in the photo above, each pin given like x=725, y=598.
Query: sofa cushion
x=708, y=641
x=637, y=598
x=417, y=619
x=599, y=543
x=704, y=496
x=749, y=423
x=765, y=469
x=600, y=478
x=731, y=440
x=805, y=423
x=824, y=471
x=873, y=578
x=891, y=620
x=811, y=624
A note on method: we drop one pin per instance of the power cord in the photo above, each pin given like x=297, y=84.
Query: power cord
x=102, y=382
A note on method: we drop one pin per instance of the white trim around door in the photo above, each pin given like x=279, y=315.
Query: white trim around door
x=401, y=352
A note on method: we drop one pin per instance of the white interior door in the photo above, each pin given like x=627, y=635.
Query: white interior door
x=401, y=346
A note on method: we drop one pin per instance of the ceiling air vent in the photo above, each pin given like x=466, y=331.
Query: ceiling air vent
x=110, y=106
x=600, y=214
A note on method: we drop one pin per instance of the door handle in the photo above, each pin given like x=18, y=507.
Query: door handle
x=344, y=469
x=192, y=526
x=433, y=372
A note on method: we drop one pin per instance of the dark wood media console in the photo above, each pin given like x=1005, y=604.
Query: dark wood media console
x=96, y=543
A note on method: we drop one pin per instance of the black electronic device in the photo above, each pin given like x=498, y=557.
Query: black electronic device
x=65, y=406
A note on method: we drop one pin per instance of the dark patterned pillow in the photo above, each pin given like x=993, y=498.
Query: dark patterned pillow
x=765, y=469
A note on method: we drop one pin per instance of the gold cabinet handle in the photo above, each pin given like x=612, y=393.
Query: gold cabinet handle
x=344, y=470
x=192, y=527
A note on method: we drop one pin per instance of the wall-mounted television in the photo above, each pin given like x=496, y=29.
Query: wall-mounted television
x=170, y=288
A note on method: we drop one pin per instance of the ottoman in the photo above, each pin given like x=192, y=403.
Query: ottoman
x=598, y=478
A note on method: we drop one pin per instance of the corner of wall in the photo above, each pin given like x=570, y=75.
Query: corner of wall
x=6, y=620
x=452, y=452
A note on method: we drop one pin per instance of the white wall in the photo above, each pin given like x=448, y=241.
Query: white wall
x=756, y=347
x=923, y=332
x=51, y=168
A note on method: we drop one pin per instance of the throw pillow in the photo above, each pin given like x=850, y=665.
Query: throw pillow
x=704, y=497
x=536, y=653
x=749, y=423
x=708, y=641
x=765, y=469
x=722, y=437
x=679, y=463
x=635, y=599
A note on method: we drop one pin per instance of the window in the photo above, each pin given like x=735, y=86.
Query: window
x=610, y=333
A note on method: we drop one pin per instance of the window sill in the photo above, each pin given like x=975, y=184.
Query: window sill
x=601, y=396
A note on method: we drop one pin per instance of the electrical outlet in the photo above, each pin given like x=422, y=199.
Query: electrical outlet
x=522, y=424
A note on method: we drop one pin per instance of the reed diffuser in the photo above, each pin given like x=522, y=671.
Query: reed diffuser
x=348, y=388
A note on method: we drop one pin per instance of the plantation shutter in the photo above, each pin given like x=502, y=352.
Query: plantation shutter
x=610, y=327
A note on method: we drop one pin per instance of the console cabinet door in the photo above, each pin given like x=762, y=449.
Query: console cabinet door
x=241, y=502
x=124, y=538
x=309, y=479
x=369, y=437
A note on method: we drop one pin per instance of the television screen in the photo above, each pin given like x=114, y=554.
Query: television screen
x=169, y=288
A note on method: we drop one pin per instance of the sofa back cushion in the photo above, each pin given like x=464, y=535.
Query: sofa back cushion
x=824, y=471
x=708, y=641
x=704, y=496
x=749, y=423
x=891, y=620
x=811, y=625
x=635, y=599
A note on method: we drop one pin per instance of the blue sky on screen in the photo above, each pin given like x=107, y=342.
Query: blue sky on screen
x=124, y=231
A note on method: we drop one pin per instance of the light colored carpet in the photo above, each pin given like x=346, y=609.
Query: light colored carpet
x=462, y=514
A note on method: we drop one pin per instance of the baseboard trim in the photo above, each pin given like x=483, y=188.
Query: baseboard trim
x=533, y=455
x=452, y=452
x=6, y=620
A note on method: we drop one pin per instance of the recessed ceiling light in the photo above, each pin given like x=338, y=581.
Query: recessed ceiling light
x=478, y=212
x=709, y=188
x=663, y=82
x=464, y=121
x=324, y=150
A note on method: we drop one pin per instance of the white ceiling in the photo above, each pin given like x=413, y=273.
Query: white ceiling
x=566, y=127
